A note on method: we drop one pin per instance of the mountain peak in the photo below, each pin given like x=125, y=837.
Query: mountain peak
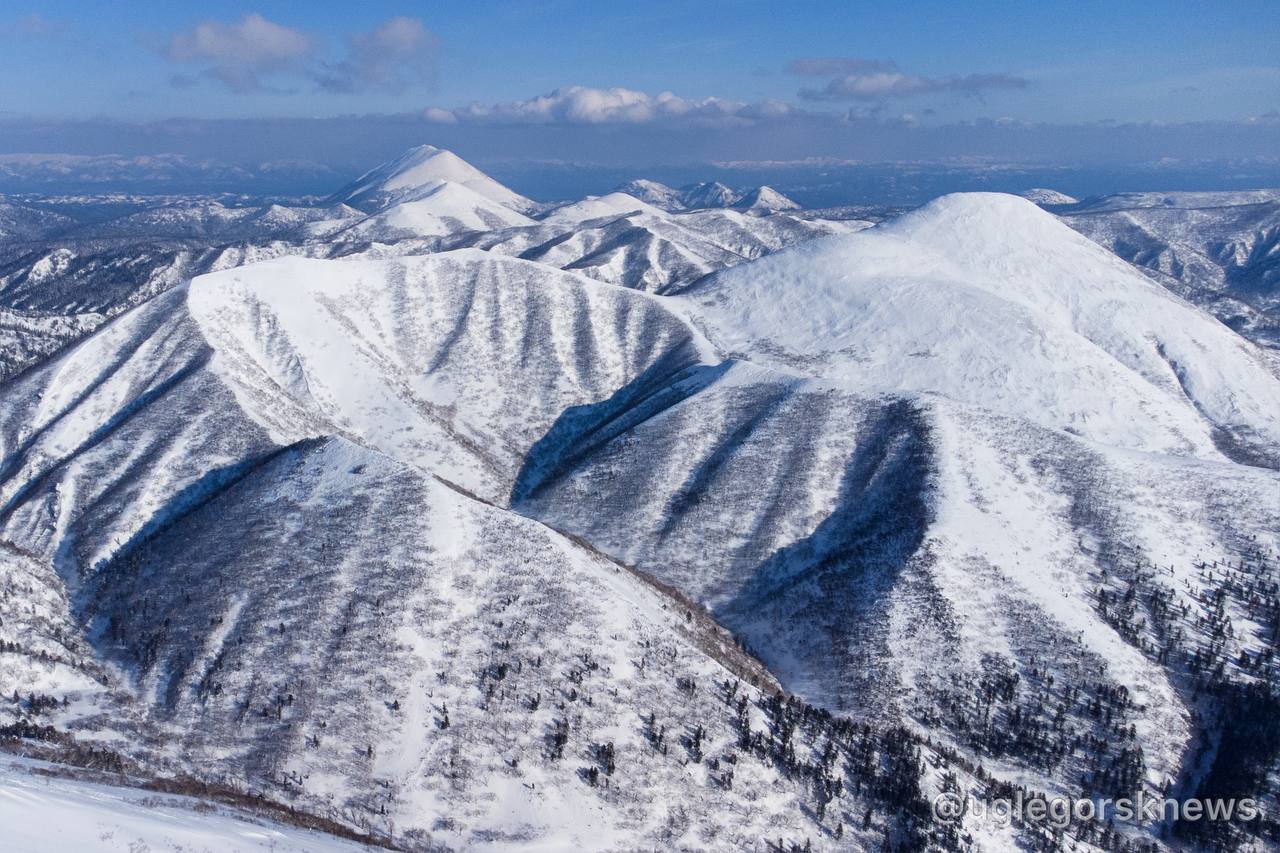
x=653, y=192
x=707, y=194
x=614, y=204
x=995, y=303
x=419, y=169
x=765, y=198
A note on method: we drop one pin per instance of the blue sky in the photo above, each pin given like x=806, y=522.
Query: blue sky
x=757, y=79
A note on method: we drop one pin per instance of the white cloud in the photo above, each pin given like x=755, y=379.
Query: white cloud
x=247, y=54
x=239, y=54
x=436, y=115
x=397, y=54
x=584, y=105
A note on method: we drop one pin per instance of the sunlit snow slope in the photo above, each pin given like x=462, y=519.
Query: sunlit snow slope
x=987, y=300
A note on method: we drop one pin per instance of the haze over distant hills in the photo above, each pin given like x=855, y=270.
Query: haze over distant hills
x=675, y=516
x=813, y=183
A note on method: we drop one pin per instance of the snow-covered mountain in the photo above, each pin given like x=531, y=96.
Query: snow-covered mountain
x=632, y=526
x=597, y=207
x=650, y=250
x=492, y=695
x=419, y=170
x=765, y=199
x=433, y=210
x=707, y=194
x=987, y=299
x=60, y=279
x=654, y=193
x=1218, y=250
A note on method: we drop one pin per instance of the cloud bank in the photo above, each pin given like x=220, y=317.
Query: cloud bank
x=628, y=127
x=583, y=105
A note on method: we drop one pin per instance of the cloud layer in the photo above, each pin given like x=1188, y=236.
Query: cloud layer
x=255, y=54
x=583, y=105
x=880, y=79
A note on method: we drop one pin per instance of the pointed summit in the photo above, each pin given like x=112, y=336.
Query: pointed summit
x=707, y=194
x=421, y=170
x=654, y=193
x=765, y=199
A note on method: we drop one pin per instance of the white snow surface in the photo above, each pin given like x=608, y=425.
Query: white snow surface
x=43, y=813
x=988, y=300
x=653, y=192
x=423, y=167
x=435, y=209
x=765, y=198
x=597, y=207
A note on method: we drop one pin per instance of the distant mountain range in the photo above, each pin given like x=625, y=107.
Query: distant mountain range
x=85, y=174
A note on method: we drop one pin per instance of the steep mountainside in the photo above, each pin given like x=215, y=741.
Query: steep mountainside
x=597, y=207
x=1218, y=250
x=262, y=495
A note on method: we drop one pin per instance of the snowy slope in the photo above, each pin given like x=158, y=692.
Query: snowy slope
x=657, y=253
x=391, y=669
x=435, y=210
x=46, y=813
x=1218, y=250
x=654, y=193
x=991, y=302
x=421, y=167
x=26, y=338
x=885, y=555
x=598, y=207
x=58, y=288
